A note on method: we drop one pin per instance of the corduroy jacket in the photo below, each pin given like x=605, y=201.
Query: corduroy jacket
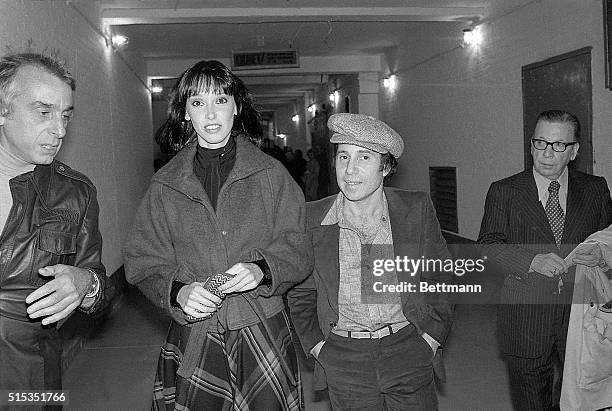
x=416, y=233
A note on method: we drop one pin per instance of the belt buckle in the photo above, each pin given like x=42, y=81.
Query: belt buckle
x=377, y=334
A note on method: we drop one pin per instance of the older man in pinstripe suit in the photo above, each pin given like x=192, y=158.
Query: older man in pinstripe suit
x=531, y=221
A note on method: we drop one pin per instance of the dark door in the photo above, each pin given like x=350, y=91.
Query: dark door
x=560, y=83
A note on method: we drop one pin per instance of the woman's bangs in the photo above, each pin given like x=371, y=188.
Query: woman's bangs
x=204, y=84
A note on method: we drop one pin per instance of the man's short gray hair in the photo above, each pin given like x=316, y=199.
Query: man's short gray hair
x=11, y=63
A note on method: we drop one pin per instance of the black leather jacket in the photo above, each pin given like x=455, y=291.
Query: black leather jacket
x=54, y=220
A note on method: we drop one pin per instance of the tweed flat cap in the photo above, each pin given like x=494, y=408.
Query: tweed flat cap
x=365, y=131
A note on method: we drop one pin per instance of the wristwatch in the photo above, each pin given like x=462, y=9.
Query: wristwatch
x=95, y=285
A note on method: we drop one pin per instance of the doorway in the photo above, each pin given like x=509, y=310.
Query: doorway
x=560, y=83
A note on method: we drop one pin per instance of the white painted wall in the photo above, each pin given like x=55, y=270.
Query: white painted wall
x=463, y=107
x=110, y=138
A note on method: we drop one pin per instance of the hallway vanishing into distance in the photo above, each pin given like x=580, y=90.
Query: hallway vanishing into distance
x=115, y=369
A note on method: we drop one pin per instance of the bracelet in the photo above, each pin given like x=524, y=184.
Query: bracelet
x=95, y=287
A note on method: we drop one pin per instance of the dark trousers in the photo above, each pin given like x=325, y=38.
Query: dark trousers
x=30, y=358
x=391, y=373
x=535, y=383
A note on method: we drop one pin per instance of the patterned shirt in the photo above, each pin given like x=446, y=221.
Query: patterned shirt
x=355, y=313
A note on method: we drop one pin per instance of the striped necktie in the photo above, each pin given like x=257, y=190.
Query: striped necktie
x=554, y=212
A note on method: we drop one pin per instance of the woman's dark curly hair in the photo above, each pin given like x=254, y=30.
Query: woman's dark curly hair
x=204, y=77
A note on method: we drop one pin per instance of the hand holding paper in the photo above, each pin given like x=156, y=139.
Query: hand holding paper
x=588, y=254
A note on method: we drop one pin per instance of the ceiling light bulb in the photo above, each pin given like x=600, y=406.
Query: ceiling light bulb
x=119, y=40
x=472, y=37
x=390, y=82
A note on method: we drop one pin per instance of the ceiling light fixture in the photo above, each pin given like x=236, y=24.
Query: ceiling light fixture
x=296, y=118
x=312, y=108
x=472, y=37
x=157, y=89
x=390, y=82
x=119, y=40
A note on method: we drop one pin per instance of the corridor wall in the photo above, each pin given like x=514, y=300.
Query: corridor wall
x=110, y=139
x=462, y=106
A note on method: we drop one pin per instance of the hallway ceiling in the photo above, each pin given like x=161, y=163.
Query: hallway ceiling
x=185, y=29
x=190, y=29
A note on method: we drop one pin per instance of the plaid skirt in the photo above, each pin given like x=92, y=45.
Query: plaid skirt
x=237, y=370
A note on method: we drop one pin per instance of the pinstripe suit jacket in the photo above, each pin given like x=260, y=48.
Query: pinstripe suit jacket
x=514, y=229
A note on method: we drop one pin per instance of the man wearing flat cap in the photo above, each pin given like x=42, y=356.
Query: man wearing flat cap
x=375, y=349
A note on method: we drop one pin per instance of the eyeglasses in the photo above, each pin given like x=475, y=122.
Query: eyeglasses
x=558, y=146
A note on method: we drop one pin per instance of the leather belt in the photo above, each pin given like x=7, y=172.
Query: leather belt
x=380, y=333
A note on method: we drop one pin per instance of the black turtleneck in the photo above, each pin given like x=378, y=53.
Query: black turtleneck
x=212, y=166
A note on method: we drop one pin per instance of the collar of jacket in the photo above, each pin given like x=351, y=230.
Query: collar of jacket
x=577, y=203
x=43, y=176
x=406, y=225
x=178, y=173
x=395, y=205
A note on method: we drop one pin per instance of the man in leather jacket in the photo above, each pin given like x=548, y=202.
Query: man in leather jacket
x=50, y=246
